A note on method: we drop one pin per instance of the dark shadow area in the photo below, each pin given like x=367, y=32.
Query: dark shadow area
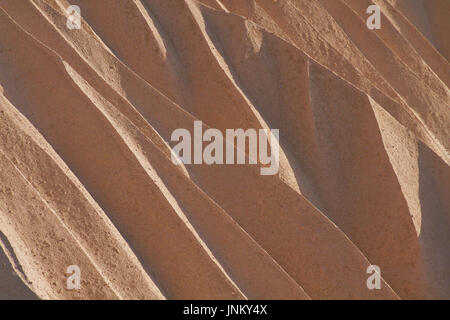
x=11, y=285
x=434, y=180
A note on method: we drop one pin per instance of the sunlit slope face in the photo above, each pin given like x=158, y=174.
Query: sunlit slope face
x=232, y=149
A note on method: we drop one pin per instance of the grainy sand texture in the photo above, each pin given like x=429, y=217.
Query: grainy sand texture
x=92, y=205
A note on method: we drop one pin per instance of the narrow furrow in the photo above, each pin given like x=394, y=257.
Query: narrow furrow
x=86, y=171
x=33, y=225
x=67, y=198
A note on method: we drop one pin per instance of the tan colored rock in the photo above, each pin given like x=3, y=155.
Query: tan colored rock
x=86, y=176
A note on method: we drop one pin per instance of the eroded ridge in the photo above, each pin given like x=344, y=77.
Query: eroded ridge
x=87, y=177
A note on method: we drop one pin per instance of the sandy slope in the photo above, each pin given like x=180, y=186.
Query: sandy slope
x=86, y=176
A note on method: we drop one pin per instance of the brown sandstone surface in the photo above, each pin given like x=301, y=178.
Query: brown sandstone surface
x=86, y=176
